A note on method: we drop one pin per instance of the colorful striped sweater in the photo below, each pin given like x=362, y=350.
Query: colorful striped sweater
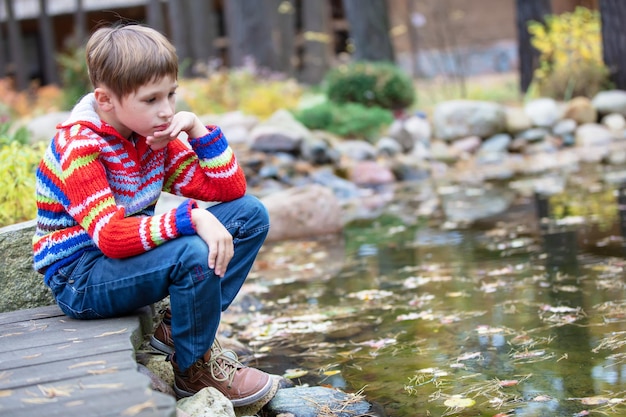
x=95, y=189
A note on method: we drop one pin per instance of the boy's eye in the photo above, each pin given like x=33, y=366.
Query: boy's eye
x=172, y=94
x=151, y=100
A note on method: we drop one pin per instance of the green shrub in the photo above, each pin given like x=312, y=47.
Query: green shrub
x=379, y=84
x=347, y=120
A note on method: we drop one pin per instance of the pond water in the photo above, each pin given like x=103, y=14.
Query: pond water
x=513, y=316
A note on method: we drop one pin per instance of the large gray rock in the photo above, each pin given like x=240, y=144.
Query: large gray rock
x=303, y=212
x=462, y=118
x=20, y=286
x=317, y=401
x=612, y=101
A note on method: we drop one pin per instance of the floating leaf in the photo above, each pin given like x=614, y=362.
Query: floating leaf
x=459, y=402
x=508, y=382
x=295, y=373
x=596, y=400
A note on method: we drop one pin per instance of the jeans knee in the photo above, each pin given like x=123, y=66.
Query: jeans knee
x=194, y=252
x=259, y=210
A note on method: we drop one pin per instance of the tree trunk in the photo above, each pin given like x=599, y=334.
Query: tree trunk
x=179, y=26
x=203, y=34
x=613, y=15
x=369, y=29
x=249, y=34
x=154, y=15
x=16, y=47
x=80, y=24
x=528, y=10
x=318, y=41
x=284, y=35
x=50, y=74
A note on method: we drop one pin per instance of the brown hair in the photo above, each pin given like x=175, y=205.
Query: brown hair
x=124, y=58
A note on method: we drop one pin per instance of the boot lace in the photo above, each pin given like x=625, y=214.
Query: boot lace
x=223, y=364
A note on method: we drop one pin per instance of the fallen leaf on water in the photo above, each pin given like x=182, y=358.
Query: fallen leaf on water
x=596, y=400
x=542, y=398
x=508, y=382
x=331, y=373
x=295, y=373
x=459, y=402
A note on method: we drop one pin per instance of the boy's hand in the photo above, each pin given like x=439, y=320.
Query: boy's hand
x=217, y=237
x=183, y=121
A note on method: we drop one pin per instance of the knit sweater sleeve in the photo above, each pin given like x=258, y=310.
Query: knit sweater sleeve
x=209, y=171
x=90, y=201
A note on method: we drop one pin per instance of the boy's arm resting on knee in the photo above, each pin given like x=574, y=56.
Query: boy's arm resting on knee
x=209, y=171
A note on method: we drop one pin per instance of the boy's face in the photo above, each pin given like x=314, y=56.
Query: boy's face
x=150, y=109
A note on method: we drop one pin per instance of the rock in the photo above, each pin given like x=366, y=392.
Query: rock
x=387, y=146
x=516, y=120
x=20, y=286
x=612, y=101
x=357, y=150
x=367, y=173
x=317, y=401
x=496, y=143
x=461, y=118
x=280, y=133
x=542, y=112
x=43, y=128
x=592, y=134
x=208, y=402
x=466, y=145
x=581, y=111
x=300, y=212
x=441, y=151
x=565, y=127
x=615, y=122
x=156, y=382
x=408, y=132
x=235, y=125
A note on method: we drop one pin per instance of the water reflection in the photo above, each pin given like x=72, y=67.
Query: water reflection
x=521, y=320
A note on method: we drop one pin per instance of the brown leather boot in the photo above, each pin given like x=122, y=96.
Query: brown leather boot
x=162, y=339
x=222, y=370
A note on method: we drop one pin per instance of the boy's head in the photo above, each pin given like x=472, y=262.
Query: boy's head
x=124, y=58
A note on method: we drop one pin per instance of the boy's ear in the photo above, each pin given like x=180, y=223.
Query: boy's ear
x=103, y=98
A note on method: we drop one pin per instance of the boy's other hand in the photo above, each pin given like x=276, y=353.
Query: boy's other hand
x=183, y=121
x=217, y=237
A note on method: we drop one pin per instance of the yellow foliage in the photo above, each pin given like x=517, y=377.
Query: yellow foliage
x=17, y=180
x=225, y=91
x=570, y=48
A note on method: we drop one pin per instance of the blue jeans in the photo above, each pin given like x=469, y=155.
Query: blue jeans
x=95, y=286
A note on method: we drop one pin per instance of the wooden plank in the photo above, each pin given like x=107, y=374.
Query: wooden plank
x=124, y=393
x=54, y=366
x=53, y=353
x=55, y=330
x=30, y=314
x=53, y=371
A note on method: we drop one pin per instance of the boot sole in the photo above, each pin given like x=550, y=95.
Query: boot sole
x=239, y=402
x=160, y=346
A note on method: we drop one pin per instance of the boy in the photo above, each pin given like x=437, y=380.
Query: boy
x=98, y=242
